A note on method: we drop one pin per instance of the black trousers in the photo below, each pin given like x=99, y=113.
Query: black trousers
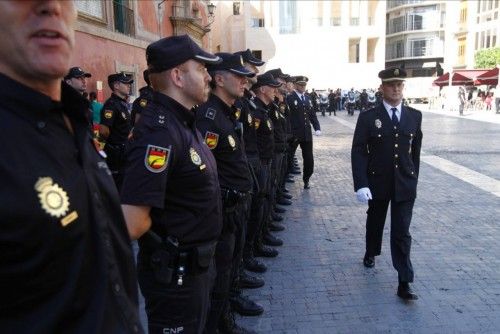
x=255, y=211
x=264, y=179
x=173, y=308
x=401, y=213
x=307, y=156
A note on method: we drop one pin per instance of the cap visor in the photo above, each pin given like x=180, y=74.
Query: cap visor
x=393, y=79
x=242, y=71
x=208, y=58
x=256, y=62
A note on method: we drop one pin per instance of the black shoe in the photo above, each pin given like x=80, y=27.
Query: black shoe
x=290, y=180
x=295, y=171
x=227, y=325
x=270, y=240
x=369, y=261
x=284, y=201
x=264, y=251
x=306, y=185
x=285, y=195
x=250, y=282
x=254, y=265
x=276, y=217
x=405, y=292
x=279, y=210
x=245, y=306
x=275, y=227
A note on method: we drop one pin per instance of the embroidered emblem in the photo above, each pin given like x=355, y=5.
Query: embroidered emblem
x=211, y=139
x=195, y=157
x=108, y=113
x=249, y=119
x=282, y=108
x=231, y=141
x=378, y=123
x=156, y=158
x=210, y=113
x=143, y=102
x=53, y=199
x=269, y=124
x=257, y=123
x=98, y=148
x=295, y=102
x=237, y=113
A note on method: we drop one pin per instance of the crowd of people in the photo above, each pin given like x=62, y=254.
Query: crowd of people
x=195, y=170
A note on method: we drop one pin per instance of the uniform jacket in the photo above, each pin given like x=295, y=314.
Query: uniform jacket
x=385, y=159
x=302, y=116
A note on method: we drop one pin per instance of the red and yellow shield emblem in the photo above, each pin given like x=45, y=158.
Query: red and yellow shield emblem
x=211, y=139
x=156, y=159
x=257, y=123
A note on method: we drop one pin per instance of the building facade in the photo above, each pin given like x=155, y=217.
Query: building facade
x=112, y=35
x=334, y=43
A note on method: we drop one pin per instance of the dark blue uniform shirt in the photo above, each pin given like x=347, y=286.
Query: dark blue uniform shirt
x=66, y=264
x=217, y=123
x=265, y=130
x=170, y=169
x=115, y=115
x=247, y=108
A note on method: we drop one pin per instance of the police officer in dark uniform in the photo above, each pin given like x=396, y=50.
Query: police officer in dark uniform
x=66, y=264
x=145, y=96
x=302, y=116
x=247, y=118
x=170, y=193
x=115, y=123
x=385, y=164
x=265, y=91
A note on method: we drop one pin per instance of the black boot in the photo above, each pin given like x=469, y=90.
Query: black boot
x=270, y=240
x=405, y=292
x=227, y=325
x=245, y=306
x=275, y=227
x=250, y=282
x=276, y=217
x=264, y=251
x=254, y=265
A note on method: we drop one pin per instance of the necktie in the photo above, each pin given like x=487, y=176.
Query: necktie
x=303, y=99
x=394, y=118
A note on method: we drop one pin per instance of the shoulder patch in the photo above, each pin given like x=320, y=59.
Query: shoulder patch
x=257, y=123
x=211, y=139
x=108, y=113
x=237, y=113
x=156, y=158
x=143, y=102
x=210, y=114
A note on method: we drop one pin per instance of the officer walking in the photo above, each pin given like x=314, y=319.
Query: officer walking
x=385, y=164
x=116, y=124
x=170, y=192
x=66, y=264
x=302, y=116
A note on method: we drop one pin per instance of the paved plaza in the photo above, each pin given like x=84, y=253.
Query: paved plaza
x=318, y=283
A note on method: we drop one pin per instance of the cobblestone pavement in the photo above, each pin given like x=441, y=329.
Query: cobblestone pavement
x=318, y=283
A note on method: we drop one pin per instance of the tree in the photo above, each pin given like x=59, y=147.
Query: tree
x=487, y=58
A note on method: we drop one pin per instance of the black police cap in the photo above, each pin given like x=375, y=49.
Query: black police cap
x=122, y=77
x=266, y=79
x=172, y=51
x=232, y=63
x=301, y=80
x=277, y=73
x=76, y=72
x=248, y=57
x=392, y=74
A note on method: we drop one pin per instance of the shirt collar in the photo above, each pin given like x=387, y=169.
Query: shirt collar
x=388, y=107
x=299, y=94
x=228, y=110
x=183, y=114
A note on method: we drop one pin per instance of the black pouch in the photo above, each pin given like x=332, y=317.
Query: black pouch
x=162, y=264
x=205, y=253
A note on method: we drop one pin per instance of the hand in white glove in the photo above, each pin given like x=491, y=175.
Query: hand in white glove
x=318, y=133
x=363, y=195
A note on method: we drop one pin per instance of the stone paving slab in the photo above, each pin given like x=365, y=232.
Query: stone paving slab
x=318, y=283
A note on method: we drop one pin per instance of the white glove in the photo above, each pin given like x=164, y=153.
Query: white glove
x=363, y=195
x=318, y=133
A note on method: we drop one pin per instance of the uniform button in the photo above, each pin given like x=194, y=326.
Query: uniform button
x=397, y=135
x=117, y=287
x=379, y=135
x=395, y=155
x=373, y=173
x=412, y=173
x=40, y=124
x=395, y=127
x=396, y=166
x=395, y=145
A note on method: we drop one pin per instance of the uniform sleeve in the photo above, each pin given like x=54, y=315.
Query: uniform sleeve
x=149, y=162
x=417, y=145
x=314, y=119
x=108, y=114
x=359, y=154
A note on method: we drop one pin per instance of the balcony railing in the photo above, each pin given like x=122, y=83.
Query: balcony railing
x=124, y=18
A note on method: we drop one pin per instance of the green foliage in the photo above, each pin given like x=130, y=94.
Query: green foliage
x=487, y=58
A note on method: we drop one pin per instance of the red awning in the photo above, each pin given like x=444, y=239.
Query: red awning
x=456, y=80
x=488, y=78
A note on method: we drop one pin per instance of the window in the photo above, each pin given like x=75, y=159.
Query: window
x=335, y=13
x=397, y=25
x=288, y=17
x=354, y=21
x=354, y=12
x=400, y=49
x=354, y=50
x=236, y=8
x=420, y=47
x=257, y=23
x=124, y=17
x=335, y=21
x=91, y=8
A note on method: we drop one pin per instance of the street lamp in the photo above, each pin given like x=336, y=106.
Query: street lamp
x=211, y=16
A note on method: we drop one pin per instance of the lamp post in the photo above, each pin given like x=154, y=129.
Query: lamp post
x=211, y=16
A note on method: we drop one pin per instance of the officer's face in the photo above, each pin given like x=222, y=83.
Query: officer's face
x=393, y=91
x=36, y=39
x=194, y=79
x=289, y=87
x=234, y=84
x=80, y=84
x=300, y=88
